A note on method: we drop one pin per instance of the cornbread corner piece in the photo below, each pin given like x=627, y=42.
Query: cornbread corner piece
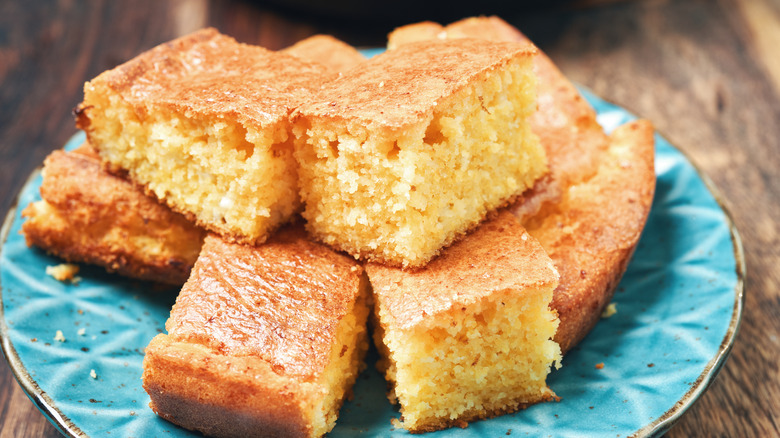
x=202, y=123
x=409, y=150
x=88, y=215
x=262, y=341
x=470, y=335
x=329, y=51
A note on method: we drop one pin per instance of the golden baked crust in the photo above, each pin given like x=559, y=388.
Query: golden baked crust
x=592, y=233
x=424, y=30
x=262, y=341
x=90, y=216
x=331, y=52
x=299, y=289
x=211, y=74
x=222, y=398
x=397, y=88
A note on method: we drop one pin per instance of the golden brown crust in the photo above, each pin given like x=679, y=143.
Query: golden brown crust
x=398, y=87
x=211, y=74
x=90, y=216
x=469, y=417
x=331, y=52
x=271, y=307
x=496, y=256
x=424, y=30
x=223, y=396
x=252, y=337
x=592, y=233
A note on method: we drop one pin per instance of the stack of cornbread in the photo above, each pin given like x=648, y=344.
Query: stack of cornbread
x=332, y=186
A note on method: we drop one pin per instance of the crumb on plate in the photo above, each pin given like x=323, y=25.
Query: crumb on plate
x=64, y=272
x=610, y=310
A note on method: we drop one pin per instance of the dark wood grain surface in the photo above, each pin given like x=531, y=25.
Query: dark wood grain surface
x=706, y=73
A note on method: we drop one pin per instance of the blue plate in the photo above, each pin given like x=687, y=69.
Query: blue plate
x=678, y=309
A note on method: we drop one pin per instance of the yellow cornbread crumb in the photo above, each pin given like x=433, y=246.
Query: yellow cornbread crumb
x=610, y=310
x=63, y=272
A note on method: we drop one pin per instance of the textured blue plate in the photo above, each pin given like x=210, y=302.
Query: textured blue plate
x=679, y=307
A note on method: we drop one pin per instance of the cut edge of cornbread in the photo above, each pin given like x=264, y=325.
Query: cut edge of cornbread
x=198, y=388
x=421, y=362
x=181, y=160
x=399, y=195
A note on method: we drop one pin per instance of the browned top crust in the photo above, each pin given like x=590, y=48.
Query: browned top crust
x=216, y=76
x=424, y=30
x=102, y=219
x=331, y=52
x=398, y=87
x=498, y=255
x=280, y=301
x=592, y=234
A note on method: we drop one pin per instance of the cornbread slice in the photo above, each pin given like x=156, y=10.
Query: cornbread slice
x=564, y=121
x=411, y=149
x=87, y=215
x=592, y=233
x=262, y=341
x=470, y=335
x=331, y=52
x=202, y=124
x=589, y=212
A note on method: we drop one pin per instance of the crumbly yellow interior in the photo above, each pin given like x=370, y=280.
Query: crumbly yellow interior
x=478, y=361
x=346, y=362
x=399, y=197
x=236, y=180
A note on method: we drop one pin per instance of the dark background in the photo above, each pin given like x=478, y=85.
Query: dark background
x=706, y=73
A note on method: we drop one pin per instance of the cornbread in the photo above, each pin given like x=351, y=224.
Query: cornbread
x=582, y=160
x=406, y=152
x=263, y=341
x=87, y=215
x=331, y=52
x=63, y=272
x=592, y=233
x=564, y=121
x=424, y=30
x=202, y=124
x=470, y=335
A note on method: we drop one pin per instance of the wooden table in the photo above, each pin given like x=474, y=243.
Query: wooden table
x=707, y=73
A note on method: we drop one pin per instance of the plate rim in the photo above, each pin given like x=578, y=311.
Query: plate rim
x=658, y=427
x=668, y=419
x=29, y=385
